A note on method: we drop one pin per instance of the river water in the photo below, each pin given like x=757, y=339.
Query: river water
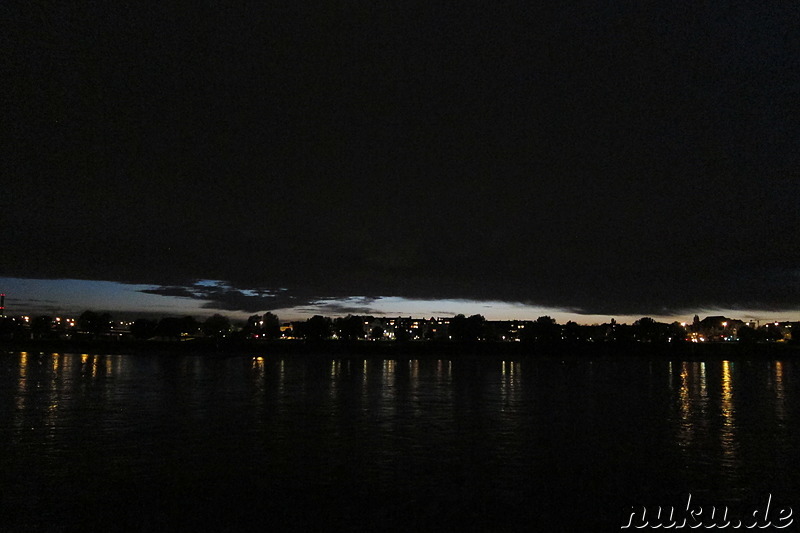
x=184, y=443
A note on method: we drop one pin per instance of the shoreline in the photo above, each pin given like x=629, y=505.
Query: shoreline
x=426, y=349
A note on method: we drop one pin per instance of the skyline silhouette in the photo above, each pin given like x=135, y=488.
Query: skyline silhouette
x=71, y=297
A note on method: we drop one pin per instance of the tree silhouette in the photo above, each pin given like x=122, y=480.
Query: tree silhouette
x=543, y=330
x=216, y=326
x=748, y=335
x=573, y=332
x=467, y=329
x=177, y=327
x=676, y=332
x=267, y=326
x=645, y=329
x=143, y=328
x=271, y=327
x=350, y=327
x=189, y=326
x=253, y=326
x=317, y=328
x=94, y=323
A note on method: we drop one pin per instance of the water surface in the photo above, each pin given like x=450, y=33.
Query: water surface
x=178, y=442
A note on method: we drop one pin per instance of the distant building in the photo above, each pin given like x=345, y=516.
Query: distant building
x=718, y=328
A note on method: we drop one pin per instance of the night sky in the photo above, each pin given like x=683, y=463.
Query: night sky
x=607, y=158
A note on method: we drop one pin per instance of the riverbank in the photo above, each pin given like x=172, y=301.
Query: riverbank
x=388, y=350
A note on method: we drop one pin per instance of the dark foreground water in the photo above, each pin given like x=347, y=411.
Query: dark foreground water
x=191, y=443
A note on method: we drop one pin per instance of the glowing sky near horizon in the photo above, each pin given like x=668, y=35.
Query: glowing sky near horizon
x=71, y=297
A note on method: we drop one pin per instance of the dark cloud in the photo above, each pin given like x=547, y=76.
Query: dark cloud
x=222, y=296
x=24, y=302
x=341, y=309
x=626, y=159
x=180, y=292
x=34, y=306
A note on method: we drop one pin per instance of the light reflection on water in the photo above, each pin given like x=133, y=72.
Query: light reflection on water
x=778, y=387
x=728, y=435
x=403, y=442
